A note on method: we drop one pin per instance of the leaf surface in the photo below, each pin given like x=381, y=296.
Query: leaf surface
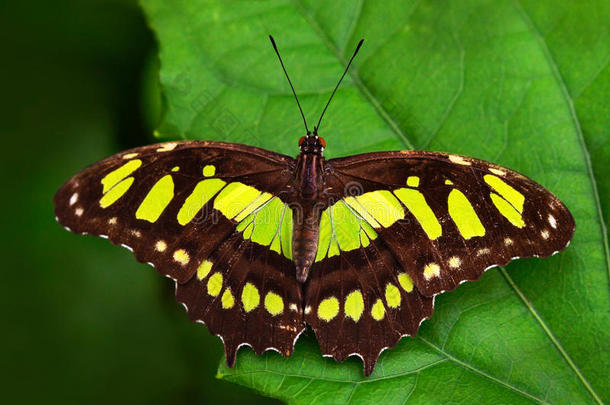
x=520, y=83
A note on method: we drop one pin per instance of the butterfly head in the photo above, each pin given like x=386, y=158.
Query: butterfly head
x=312, y=143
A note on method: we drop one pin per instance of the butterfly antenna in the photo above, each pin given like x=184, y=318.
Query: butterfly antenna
x=289, y=82
x=315, y=129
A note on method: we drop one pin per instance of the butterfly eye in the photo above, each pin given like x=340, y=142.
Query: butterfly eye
x=301, y=140
x=322, y=142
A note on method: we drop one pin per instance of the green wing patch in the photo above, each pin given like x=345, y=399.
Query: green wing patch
x=342, y=229
x=269, y=224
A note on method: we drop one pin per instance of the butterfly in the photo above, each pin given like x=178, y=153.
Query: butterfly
x=261, y=244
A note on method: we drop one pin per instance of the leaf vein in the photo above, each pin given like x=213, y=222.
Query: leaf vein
x=381, y=111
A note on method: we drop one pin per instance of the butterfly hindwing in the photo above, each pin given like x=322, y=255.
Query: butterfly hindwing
x=247, y=295
x=361, y=302
x=447, y=218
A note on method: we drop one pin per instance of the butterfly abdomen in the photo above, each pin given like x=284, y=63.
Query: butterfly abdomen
x=305, y=234
x=306, y=213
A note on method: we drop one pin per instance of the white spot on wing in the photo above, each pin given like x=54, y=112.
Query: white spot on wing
x=552, y=221
x=431, y=270
x=544, y=234
x=79, y=211
x=160, y=246
x=73, y=199
x=484, y=251
x=459, y=160
x=454, y=262
x=167, y=147
x=498, y=172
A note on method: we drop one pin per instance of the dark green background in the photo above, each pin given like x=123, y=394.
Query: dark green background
x=84, y=322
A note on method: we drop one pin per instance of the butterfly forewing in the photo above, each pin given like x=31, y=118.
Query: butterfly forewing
x=173, y=203
x=447, y=218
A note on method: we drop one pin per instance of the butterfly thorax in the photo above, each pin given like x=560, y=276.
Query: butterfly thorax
x=310, y=186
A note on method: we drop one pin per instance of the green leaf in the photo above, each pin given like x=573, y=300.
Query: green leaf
x=521, y=83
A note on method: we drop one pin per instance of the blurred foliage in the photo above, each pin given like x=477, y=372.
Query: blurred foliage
x=84, y=322
x=521, y=83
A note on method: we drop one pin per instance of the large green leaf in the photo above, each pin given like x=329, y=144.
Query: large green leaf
x=521, y=83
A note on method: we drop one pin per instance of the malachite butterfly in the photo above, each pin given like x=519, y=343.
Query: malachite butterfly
x=261, y=244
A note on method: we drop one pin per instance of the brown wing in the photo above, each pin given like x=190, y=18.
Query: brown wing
x=361, y=302
x=160, y=200
x=448, y=218
x=248, y=295
x=177, y=206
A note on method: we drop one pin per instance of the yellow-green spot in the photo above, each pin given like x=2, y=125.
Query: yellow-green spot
x=274, y=304
x=507, y=192
x=175, y=168
x=368, y=229
x=328, y=309
x=413, y=181
x=258, y=201
x=507, y=210
x=130, y=155
x=227, y=300
x=405, y=282
x=112, y=178
x=116, y=192
x=156, y=200
x=346, y=226
x=359, y=208
x=381, y=206
x=201, y=194
x=275, y=245
x=286, y=233
x=234, y=198
x=209, y=170
x=392, y=295
x=342, y=228
x=325, y=236
x=215, y=284
x=378, y=310
x=248, y=231
x=333, y=250
x=464, y=215
x=250, y=298
x=270, y=224
x=431, y=270
x=448, y=182
x=416, y=203
x=204, y=269
x=364, y=240
x=267, y=222
x=354, y=305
